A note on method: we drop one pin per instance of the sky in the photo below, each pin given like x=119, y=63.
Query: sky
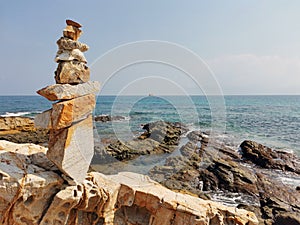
x=247, y=47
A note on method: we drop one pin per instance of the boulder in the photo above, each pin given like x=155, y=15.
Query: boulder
x=107, y=118
x=72, y=72
x=159, y=137
x=167, y=133
x=67, y=91
x=268, y=158
x=71, y=149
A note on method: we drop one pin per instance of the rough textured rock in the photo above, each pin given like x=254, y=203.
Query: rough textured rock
x=69, y=44
x=205, y=171
x=66, y=55
x=140, y=195
x=27, y=184
x=268, y=158
x=277, y=200
x=65, y=113
x=67, y=91
x=39, y=136
x=159, y=137
x=71, y=149
x=107, y=118
x=30, y=194
x=287, y=219
x=12, y=124
x=72, y=72
x=73, y=23
x=59, y=212
x=22, y=130
x=164, y=132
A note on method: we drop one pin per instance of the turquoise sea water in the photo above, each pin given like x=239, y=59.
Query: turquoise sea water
x=271, y=120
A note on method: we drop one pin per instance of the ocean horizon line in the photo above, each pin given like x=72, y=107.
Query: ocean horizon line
x=154, y=95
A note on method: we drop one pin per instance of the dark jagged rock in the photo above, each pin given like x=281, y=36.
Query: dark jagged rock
x=107, y=118
x=206, y=170
x=276, y=198
x=287, y=219
x=162, y=137
x=268, y=158
x=232, y=177
x=164, y=132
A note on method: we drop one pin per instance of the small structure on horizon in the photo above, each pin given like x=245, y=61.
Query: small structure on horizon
x=71, y=142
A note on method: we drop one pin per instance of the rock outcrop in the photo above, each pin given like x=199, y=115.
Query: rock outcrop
x=107, y=118
x=267, y=158
x=71, y=143
x=159, y=137
x=22, y=130
x=33, y=191
x=207, y=170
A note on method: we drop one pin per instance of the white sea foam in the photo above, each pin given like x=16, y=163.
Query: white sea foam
x=9, y=114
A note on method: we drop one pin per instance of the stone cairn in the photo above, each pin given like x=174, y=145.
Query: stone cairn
x=70, y=122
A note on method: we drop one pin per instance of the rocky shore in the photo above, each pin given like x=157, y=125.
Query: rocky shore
x=22, y=130
x=206, y=168
x=34, y=191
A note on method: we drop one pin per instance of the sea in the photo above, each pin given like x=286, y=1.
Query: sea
x=272, y=120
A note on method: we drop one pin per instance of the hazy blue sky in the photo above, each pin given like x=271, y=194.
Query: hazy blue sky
x=253, y=47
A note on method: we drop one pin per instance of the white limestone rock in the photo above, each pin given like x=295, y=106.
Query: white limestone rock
x=66, y=91
x=26, y=188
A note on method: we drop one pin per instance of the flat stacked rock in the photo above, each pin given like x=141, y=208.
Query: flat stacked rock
x=70, y=122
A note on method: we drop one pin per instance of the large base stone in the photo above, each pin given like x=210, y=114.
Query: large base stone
x=67, y=91
x=71, y=149
x=72, y=72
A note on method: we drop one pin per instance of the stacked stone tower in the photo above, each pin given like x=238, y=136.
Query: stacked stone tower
x=70, y=121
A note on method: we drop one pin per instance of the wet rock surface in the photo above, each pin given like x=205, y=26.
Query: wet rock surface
x=267, y=158
x=206, y=168
x=160, y=137
x=107, y=118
